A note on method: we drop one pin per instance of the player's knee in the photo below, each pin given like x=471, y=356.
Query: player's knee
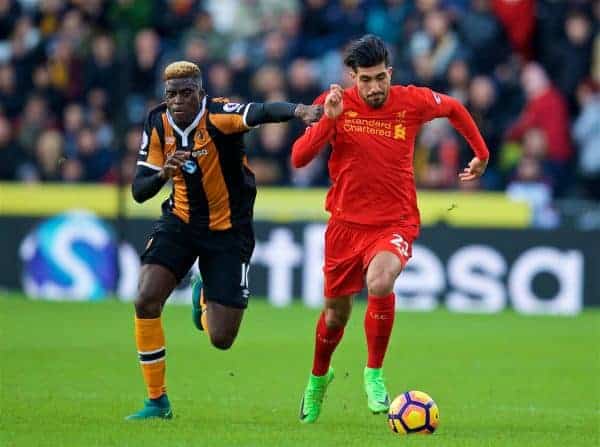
x=381, y=284
x=336, y=318
x=222, y=340
x=147, y=305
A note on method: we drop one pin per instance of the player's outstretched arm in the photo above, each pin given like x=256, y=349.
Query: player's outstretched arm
x=316, y=137
x=435, y=105
x=148, y=181
x=277, y=112
x=463, y=122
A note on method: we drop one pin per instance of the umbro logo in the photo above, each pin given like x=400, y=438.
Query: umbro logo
x=200, y=153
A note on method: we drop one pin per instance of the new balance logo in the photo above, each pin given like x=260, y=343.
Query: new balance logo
x=376, y=316
x=400, y=244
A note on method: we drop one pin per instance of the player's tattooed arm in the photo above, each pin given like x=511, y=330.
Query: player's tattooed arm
x=148, y=181
x=276, y=112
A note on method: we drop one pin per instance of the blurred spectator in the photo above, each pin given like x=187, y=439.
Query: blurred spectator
x=10, y=153
x=518, y=19
x=42, y=86
x=10, y=11
x=214, y=43
x=35, y=120
x=546, y=110
x=319, y=36
x=145, y=64
x=96, y=160
x=74, y=30
x=77, y=78
x=48, y=154
x=48, y=16
x=302, y=82
x=133, y=141
x=267, y=80
x=220, y=80
x=270, y=153
x=126, y=18
x=483, y=36
x=144, y=73
x=530, y=186
x=387, y=19
x=64, y=68
x=71, y=170
x=23, y=50
x=73, y=122
x=433, y=48
x=11, y=102
x=572, y=55
x=101, y=69
x=458, y=80
x=172, y=16
x=437, y=153
x=586, y=131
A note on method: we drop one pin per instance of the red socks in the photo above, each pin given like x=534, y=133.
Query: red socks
x=326, y=341
x=379, y=320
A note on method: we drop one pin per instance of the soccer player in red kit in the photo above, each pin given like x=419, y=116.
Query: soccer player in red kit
x=372, y=201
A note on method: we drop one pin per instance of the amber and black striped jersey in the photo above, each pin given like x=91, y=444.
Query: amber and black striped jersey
x=215, y=188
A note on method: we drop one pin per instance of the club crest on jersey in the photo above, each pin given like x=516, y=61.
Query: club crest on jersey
x=189, y=166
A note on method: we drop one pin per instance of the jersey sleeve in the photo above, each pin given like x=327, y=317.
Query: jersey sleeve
x=320, y=100
x=151, y=153
x=431, y=104
x=229, y=117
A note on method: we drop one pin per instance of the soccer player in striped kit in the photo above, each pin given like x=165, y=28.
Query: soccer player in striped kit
x=196, y=141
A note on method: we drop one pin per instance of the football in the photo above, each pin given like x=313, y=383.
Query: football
x=413, y=412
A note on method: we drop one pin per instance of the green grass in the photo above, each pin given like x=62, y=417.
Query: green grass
x=69, y=375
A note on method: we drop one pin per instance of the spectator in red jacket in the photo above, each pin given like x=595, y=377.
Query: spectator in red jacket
x=546, y=109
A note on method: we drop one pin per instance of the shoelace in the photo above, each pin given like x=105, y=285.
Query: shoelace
x=379, y=388
x=315, y=394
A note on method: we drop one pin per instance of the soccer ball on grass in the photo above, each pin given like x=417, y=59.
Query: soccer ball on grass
x=413, y=412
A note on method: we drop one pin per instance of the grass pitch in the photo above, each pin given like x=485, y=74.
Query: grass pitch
x=69, y=375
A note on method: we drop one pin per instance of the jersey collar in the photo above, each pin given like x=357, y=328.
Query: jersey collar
x=184, y=134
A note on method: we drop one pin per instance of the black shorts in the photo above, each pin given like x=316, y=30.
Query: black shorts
x=223, y=257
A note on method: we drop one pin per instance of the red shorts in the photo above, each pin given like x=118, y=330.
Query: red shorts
x=349, y=248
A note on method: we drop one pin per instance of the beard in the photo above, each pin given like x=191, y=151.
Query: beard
x=377, y=100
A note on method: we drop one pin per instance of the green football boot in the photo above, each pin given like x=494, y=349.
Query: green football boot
x=153, y=409
x=378, y=398
x=198, y=303
x=310, y=407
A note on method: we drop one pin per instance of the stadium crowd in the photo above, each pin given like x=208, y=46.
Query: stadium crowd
x=77, y=77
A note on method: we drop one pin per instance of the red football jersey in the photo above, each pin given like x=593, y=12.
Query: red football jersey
x=371, y=163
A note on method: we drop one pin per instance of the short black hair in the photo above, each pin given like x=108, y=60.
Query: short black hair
x=367, y=51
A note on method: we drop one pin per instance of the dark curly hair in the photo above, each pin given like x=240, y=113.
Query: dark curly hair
x=367, y=51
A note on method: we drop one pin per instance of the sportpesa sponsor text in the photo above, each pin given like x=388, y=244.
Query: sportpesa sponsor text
x=548, y=272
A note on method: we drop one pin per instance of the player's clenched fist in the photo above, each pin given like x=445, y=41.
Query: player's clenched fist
x=308, y=114
x=334, y=103
x=173, y=163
